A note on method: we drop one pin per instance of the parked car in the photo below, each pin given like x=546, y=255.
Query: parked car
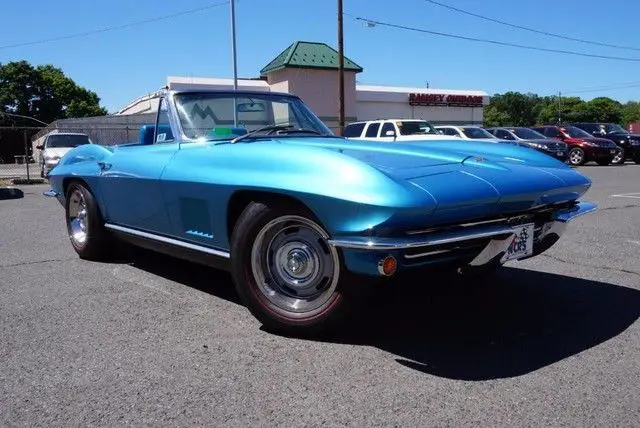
x=55, y=146
x=393, y=130
x=554, y=148
x=300, y=216
x=475, y=133
x=628, y=142
x=583, y=147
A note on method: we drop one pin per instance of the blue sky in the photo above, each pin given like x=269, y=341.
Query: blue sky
x=123, y=64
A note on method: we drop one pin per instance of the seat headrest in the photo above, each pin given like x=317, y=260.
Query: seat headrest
x=147, y=132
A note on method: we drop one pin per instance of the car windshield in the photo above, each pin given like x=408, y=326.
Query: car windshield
x=575, y=132
x=56, y=141
x=527, y=134
x=413, y=127
x=614, y=127
x=474, y=132
x=208, y=116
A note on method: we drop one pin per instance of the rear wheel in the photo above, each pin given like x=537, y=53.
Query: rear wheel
x=85, y=225
x=285, y=271
x=576, y=156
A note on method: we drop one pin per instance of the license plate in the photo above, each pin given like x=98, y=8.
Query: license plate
x=522, y=244
x=560, y=154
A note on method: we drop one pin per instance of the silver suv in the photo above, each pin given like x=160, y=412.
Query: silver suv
x=55, y=146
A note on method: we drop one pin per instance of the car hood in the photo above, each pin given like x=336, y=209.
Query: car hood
x=629, y=136
x=543, y=141
x=489, y=177
x=56, y=152
x=412, y=157
x=416, y=137
x=601, y=141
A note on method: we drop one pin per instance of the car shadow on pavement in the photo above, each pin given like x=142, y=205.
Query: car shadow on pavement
x=515, y=323
x=203, y=278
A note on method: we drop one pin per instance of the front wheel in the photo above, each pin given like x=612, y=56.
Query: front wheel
x=619, y=157
x=85, y=225
x=285, y=271
x=576, y=156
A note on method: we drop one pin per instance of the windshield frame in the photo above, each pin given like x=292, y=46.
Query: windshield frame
x=617, y=129
x=515, y=131
x=175, y=122
x=477, y=128
x=53, y=136
x=581, y=132
x=433, y=130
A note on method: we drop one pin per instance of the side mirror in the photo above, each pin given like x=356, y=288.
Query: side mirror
x=40, y=146
x=390, y=134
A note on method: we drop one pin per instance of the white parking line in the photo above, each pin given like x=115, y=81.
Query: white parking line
x=633, y=241
x=635, y=195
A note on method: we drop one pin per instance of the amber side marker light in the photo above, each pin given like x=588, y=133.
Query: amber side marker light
x=387, y=266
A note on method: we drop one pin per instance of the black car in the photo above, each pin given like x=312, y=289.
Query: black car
x=533, y=139
x=628, y=142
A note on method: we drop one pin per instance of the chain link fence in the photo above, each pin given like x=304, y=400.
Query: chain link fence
x=17, y=159
x=20, y=157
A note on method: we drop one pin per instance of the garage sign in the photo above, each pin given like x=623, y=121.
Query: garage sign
x=445, y=100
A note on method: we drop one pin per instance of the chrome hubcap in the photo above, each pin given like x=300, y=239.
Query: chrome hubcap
x=576, y=156
x=294, y=267
x=618, y=157
x=78, y=217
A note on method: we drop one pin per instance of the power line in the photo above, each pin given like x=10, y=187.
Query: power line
x=604, y=88
x=115, y=27
x=495, y=42
x=533, y=30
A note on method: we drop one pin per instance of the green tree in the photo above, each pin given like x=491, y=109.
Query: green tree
x=512, y=108
x=45, y=93
x=602, y=109
x=630, y=112
x=556, y=109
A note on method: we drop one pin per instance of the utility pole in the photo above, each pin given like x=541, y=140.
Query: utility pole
x=559, y=108
x=341, y=68
x=235, y=62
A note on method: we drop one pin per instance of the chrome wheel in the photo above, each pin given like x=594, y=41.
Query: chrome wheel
x=618, y=158
x=576, y=156
x=294, y=267
x=78, y=221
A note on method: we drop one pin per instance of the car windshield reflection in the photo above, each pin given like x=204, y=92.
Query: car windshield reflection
x=206, y=116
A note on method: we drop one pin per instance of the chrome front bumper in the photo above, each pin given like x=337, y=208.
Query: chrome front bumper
x=500, y=238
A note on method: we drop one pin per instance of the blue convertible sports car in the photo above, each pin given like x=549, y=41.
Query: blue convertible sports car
x=255, y=183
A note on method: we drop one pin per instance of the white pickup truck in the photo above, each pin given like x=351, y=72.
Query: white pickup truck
x=393, y=130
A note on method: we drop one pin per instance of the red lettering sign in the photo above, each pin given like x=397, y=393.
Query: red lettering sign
x=446, y=100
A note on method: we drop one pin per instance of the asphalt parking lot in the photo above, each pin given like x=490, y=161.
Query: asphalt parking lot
x=150, y=340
